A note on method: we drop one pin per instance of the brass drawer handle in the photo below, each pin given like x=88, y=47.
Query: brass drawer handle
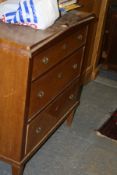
x=80, y=37
x=41, y=94
x=38, y=130
x=75, y=66
x=60, y=75
x=71, y=97
x=45, y=60
x=64, y=47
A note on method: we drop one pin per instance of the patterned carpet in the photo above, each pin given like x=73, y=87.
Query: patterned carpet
x=78, y=150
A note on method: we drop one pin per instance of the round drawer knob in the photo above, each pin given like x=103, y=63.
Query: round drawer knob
x=45, y=60
x=38, y=130
x=60, y=75
x=64, y=46
x=41, y=94
x=75, y=66
x=71, y=97
x=56, y=108
x=80, y=37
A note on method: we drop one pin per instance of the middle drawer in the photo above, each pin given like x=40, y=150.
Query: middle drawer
x=51, y=84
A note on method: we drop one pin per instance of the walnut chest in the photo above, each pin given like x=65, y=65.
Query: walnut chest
x=39, y=83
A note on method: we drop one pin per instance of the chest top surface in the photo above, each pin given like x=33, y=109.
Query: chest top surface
x=30, y=38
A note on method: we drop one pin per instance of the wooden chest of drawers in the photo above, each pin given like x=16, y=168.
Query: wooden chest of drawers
x=40, y=83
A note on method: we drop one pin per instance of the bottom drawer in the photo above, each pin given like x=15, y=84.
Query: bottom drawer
x=47, y=120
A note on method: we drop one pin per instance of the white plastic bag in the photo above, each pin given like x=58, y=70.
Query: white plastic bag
x=47, y=11
x=38, y=14
x=8, y=6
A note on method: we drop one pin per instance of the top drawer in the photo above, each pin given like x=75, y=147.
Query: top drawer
x=47, y=58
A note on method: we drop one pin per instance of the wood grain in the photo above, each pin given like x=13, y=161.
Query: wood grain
x=13, y=80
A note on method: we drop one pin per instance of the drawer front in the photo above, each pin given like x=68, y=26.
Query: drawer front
x=48, y=86
x=52, y=55
x=47, y=120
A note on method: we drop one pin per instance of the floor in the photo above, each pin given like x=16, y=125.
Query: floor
x=78, y=150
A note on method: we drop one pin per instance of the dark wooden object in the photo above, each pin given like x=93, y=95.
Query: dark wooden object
x=39, y=83
x=109, y=50
x=94, y=43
